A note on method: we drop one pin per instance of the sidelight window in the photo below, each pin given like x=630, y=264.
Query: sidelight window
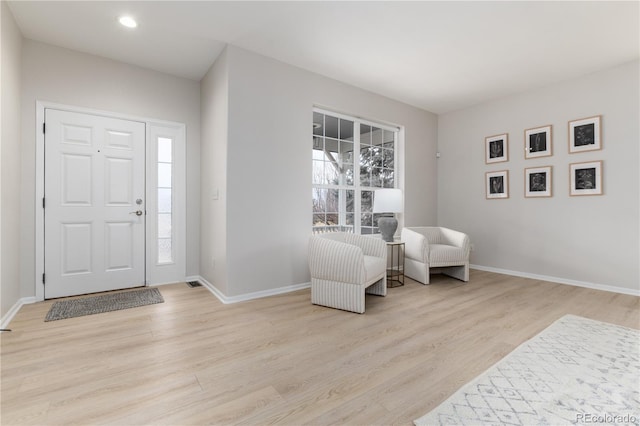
x=165, y=194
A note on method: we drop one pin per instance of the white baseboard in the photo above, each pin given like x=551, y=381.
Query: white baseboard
x=6, y=319
x=247, y=296
x=594, y=286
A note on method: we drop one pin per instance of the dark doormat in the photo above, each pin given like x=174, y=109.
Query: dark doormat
x=72, y=308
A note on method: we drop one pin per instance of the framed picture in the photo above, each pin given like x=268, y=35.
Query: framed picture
x=584, y=135
x=497, y=184
x=537, y=182
x=537, y=142
x=496, y=148
x=586, y=178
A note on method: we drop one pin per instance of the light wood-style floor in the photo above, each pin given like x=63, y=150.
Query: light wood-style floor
x=193, y=360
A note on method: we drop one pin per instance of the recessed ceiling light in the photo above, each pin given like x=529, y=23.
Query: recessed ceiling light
x=128, y=21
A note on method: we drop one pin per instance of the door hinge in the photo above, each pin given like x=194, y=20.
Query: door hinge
x=43, y=203
x=44, y=127
x=43, y=278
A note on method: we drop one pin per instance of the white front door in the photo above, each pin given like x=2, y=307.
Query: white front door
x=94, y=203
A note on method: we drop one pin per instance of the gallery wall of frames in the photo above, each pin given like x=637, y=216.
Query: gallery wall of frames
x=585, y=177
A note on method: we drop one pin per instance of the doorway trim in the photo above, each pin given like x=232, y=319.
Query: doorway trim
x=155, y=273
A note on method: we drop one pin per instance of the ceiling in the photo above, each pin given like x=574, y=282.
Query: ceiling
x=439, y=56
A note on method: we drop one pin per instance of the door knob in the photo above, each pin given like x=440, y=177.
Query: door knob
x=137, y=212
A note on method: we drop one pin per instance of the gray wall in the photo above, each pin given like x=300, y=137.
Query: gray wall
x=590, y=239
x=68, y=77
x=268, y=182
x=214, y=89
x=10, y=168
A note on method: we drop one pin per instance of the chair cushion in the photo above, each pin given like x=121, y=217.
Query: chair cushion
x=444, y=255
x=374, y=268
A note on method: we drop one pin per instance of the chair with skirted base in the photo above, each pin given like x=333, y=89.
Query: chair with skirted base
x=429, y=247
x=344, y=267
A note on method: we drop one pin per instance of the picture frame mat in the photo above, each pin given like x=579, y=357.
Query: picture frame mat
x=530, y=191
x=547, y=141
x=589, y=182
x=496, y=152
x=585, y=134
x=497, y=184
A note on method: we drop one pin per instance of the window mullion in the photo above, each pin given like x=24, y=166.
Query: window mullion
x=342, y=202
x=356, y=177
x=395, y=159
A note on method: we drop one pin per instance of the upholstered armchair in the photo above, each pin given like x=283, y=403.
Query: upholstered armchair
x=344, y=267
x=429, y=247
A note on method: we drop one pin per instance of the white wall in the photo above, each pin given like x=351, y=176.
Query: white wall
x=591, y=240
x=64, y=76
x=10, y=165
x=214, y=89
x=268, y=196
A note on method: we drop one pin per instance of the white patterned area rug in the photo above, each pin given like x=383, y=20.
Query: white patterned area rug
x=576, y=371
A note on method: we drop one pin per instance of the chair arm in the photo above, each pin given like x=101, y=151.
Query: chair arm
x=416, y=245
x=457, y=239
x=370, y=246
x=336, y=261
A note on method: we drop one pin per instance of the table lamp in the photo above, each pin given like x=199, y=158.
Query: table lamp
x=388, y=202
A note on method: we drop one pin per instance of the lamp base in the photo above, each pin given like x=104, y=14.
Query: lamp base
x=387, y=226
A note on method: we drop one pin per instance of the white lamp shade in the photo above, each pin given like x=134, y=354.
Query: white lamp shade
x=387, y=201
